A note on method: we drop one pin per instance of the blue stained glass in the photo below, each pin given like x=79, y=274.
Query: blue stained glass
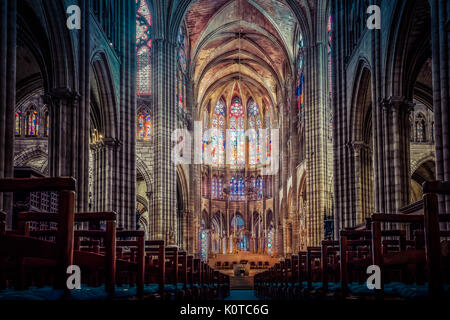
x=217, y=148
x=143, y=45
x=254, y=122
x=214, y=187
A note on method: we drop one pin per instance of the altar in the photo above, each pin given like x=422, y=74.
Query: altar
x=242, y=260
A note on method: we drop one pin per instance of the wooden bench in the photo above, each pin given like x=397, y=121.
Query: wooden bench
x=329, y=259
x=58, y=252
x=437, y=265
x=155, y=264
x=132, y=266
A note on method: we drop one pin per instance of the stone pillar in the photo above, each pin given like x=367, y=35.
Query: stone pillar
x=103, y=161
x=356, y=147
x=315, y=129
x=396, y=130
x=440, y=41
x=164, y=57
x=195, y=175
x=63, y=104
x=284, y=173
x=125, y=171
x=83, y=112
x=8, y=40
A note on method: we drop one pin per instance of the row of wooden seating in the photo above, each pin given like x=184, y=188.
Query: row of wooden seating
x=219, y=265
x=406, y=247
x=39, y=256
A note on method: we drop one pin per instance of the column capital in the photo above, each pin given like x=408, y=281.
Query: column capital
x=111, y=142
x=105, y=142
x=397, y=103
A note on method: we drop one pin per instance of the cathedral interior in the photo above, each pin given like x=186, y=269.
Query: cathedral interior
x=227, y=126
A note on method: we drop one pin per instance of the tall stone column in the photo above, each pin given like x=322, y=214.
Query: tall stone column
x=195, y=173
x=103, y=161
x=284, y=173
x=315, y=125
x=8, y=40
x=83, y=112
x=377, y=120
x=63, y=103
x=164, y=85
x=124, y=182
x=440, y=41
x=396, y=130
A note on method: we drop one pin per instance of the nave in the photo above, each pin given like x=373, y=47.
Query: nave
x=162, y=148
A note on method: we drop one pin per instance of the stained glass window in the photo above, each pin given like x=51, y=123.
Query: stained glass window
x=217, y=148
x=259, y=188
x=270, y=235
x=143, y=47
x=237, y=186
x=254, y=122
x=233, y=188
x=47, y=124
x=241, y=188
x=432, y=131
x=205, y=140
x=220, y=188
x=214, y=187
x=17, y=126
x=32, y=122
x=300, y=77
x=237, y=143
x=182, y=48
x=181, y=78
x=420, y=129
x=268, y=138
x=203, y=244
x=144, y=126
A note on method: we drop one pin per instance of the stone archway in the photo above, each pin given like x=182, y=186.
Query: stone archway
x=362, y=148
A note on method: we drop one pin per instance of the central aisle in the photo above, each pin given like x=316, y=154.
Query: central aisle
x=241, y=288
x=241, y=295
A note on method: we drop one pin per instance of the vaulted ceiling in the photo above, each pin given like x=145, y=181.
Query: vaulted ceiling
x=246, y=43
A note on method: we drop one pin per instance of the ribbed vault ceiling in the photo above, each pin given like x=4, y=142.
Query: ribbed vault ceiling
x=266, y=28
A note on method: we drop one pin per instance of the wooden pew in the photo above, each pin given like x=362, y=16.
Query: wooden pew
x=354, y=244
x=58, y=252
x=398, y=258
x=183, y=269
x=155, y=264
x=171, y=271
x=135, y=263
x=190, y=272
x=329, y=262
x=313, y=255
x=436, y=264
x=96, y=262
